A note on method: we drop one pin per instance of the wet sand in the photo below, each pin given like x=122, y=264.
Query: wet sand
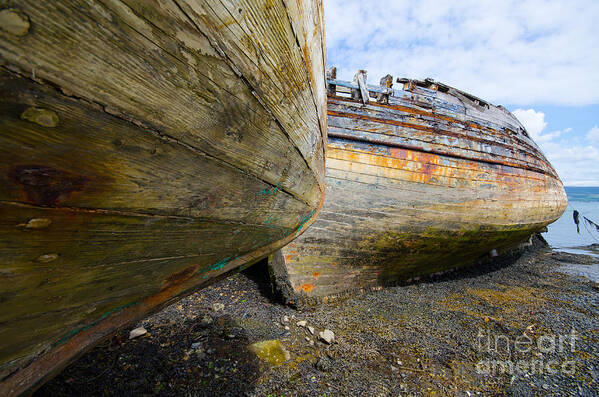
x=436, y=337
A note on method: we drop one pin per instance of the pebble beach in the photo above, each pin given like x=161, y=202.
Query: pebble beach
x=525, y=327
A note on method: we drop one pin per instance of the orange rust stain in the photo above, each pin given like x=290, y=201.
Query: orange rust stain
x=307, y=287
x=425, y=166
x=179, y=278
x=287, y=257
x=316, y=274
x=334, y=264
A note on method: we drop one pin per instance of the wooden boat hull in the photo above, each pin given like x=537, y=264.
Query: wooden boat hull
x=417, y=186
x=147, y=149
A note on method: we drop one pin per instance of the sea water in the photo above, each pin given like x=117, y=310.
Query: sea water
x=562, y=234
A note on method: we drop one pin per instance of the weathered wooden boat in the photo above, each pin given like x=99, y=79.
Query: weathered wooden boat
x=419, y=180
x=147, y=149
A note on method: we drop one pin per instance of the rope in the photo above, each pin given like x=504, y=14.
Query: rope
x=584, y=222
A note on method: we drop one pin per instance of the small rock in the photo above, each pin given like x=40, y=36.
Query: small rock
x=311, y=342
x=196, y=345
x=301, y=323
x=307, y=339
x=327, y=335
x=218, y=306
x=206, y=320
x=137, y=332
x=324, y=364
x=545, y=386
x=284, y=320
x=311, y=329
x=286, y=328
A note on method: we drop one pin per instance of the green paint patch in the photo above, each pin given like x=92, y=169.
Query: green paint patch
x=217, y=266
x=304, y=220
x=220, y=264
x=270, y=220
x=104, y=316
x=270, y=192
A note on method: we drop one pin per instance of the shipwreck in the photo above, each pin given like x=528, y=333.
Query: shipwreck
x=147, y=149
x=420, y=179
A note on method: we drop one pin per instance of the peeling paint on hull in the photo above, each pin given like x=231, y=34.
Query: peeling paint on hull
x=147, y=149
x=424, y=183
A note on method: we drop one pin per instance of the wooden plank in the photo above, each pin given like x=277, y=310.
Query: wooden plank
x=91, y=159
x=303, y=16
x=446, y=105
x=431, y=131
x=175, y=84
x=121, y=313
x=82, y=262
x=256, y=40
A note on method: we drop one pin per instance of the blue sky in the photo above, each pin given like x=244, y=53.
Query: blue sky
x=540, y=59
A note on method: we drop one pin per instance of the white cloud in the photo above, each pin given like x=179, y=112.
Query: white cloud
x=533, y=121
x=593, y=134
x=509, y=51
x=575, y=164
x=574, y=161
x=535, y=124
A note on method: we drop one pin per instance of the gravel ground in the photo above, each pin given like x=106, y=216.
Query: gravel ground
x=436, y=337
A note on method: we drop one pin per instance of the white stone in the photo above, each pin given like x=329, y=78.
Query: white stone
x=196, y=345
x=137, y=332
x=327, y=335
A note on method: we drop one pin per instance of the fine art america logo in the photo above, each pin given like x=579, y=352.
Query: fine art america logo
x=545, y=350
